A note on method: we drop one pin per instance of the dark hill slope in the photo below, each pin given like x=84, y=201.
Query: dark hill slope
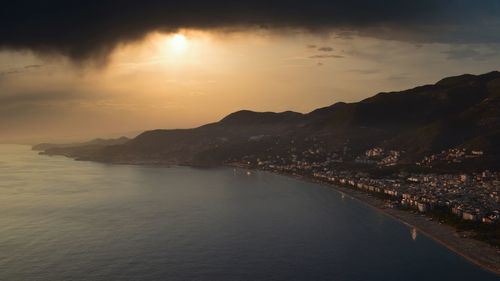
x=183, y=146
x=456, y=111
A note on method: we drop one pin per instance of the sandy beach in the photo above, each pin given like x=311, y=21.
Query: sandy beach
x=476, y=252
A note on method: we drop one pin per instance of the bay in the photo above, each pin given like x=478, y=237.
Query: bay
x=62, y=219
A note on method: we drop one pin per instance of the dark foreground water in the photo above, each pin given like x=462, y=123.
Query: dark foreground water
x=66, y=220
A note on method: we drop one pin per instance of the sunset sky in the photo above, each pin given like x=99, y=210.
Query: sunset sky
x=104, y=70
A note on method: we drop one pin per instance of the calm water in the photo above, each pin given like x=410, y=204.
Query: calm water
x=67, y=220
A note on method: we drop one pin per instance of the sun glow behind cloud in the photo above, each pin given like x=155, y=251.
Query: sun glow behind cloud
x=179, y=50
x=179, y=42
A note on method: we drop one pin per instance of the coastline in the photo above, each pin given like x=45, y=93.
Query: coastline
x=474, y=251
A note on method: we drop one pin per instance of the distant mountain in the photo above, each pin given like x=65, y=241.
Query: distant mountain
x=456, y=112
x=74, y=149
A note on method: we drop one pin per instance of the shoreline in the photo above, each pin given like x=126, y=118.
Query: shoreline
x=474, y=251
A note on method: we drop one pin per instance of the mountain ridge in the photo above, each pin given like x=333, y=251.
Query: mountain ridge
x=458, y=111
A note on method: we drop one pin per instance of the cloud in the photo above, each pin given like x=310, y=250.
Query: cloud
x=84, y=30
x=31, y=66
x=468, y=52
x=326, y=57
x=325, y=49
x=10, y=71
x=364, y=71
x=31, y=97
x=344, y=35
x=20, y=70
x=397, y=77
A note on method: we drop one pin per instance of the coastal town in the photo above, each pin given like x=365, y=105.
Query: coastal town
x=465, y=197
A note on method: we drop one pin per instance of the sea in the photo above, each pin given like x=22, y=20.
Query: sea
x=62, y=219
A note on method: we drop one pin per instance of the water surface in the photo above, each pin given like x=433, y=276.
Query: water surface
x=67, y=220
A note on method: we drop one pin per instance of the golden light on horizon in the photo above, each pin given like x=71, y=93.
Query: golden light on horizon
x=192, y=77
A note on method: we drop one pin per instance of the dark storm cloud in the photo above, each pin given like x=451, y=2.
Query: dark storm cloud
x=91, y=29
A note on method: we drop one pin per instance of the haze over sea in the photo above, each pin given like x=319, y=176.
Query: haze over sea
x=68, y=220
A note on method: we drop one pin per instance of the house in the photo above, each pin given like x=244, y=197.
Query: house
x=422, y=207
x=469, y=216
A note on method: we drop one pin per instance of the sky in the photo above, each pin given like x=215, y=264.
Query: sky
x=77, y=71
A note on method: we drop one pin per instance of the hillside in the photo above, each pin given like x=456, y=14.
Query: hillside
x=75, y=149
x=456, y=112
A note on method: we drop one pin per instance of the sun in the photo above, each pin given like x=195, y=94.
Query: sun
x=179, y=42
